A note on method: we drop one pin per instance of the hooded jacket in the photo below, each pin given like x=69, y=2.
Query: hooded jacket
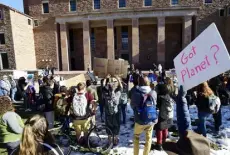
x=137, y=101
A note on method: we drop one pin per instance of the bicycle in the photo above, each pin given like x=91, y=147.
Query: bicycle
x=99, y=138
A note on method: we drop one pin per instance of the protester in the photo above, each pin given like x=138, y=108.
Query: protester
x=36, y=139
x=111, y=93
x=152, y=77
x=165, y=105
x=202, y=102
x=47, y=100
x=59, y=99
x=56, y=86
x=5, y=86
x=93, y=92
x=13, y=89
x=142, y=124
x=30, y=93
x=221, y=91
x=171, y=88
x=81, y=111
x=90, y=90
x=123, y=102
x=40, y=80
x=11, y=125
x=101, y=100
x=160, y=69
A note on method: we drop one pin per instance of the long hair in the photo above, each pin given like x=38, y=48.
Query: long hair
x=35, y=131
x=205, y=90
x=6, y=105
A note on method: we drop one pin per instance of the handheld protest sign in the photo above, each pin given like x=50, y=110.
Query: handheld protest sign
x=203, y=59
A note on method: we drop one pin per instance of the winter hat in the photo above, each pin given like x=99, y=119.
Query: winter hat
x=193, y=144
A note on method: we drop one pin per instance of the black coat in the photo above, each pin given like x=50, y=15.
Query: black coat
x=46, y=94
x=162, y=123
x=202, y=103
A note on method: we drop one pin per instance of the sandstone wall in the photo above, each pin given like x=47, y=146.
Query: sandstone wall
x=23, y=38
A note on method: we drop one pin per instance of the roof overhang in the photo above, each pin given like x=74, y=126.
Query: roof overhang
x=128, y=13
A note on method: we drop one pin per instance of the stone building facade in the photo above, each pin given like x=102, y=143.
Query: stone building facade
x=69, y=33
x=16, y=40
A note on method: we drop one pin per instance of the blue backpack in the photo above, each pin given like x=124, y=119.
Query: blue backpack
x=147, y=111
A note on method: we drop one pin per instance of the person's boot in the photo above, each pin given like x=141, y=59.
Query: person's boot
x=159, y=147
x=116, y=141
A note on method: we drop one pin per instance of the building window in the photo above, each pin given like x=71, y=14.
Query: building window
x=29, y=22
x=45, y=7
x=92, y=40
x=122, y=3
x=174, y=2
x=222, y=12
x=35, y=23
x=208, y=1
x=4, y=64
x=2, y=39
x=1, y=14
x=124, y=38
x=148, y=2
x=73, y=5
x=97, y=4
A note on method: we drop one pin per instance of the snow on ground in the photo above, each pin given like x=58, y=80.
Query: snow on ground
x=125, y=146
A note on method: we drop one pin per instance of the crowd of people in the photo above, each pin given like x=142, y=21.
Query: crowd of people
x=152, y=99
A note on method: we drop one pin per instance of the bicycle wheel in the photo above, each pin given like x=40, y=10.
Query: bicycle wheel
x=100, y=139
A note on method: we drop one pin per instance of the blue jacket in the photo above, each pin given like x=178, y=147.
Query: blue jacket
x=137, y=100
x=183, y=115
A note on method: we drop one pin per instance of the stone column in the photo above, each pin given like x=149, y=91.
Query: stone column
x=161, y=40
x=187, y=30
x=86, y=45
x=57, y=44
x=110, y=40
x=135, y=41
x=64, y=47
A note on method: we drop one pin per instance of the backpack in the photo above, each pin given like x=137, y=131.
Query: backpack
x=80, y=105
x=61, y=106
x=124, y=98
x=214, y=104
x=166, y=109
x=147, y=111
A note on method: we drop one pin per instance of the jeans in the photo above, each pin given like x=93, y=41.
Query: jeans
x=101, y=106
x=13, y=92
x=138, y=130
x=123, y=112
x=50, y=118
x=202, y=123
x=11, y=146
x=218, y=120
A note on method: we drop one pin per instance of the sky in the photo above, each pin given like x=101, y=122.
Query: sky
x=17, y=4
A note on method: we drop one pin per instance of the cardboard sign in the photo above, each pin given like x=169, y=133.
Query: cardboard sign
x=103, y=67
x=100, y=67
x=114, y=67
x=73, y=81
x=203, y=59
